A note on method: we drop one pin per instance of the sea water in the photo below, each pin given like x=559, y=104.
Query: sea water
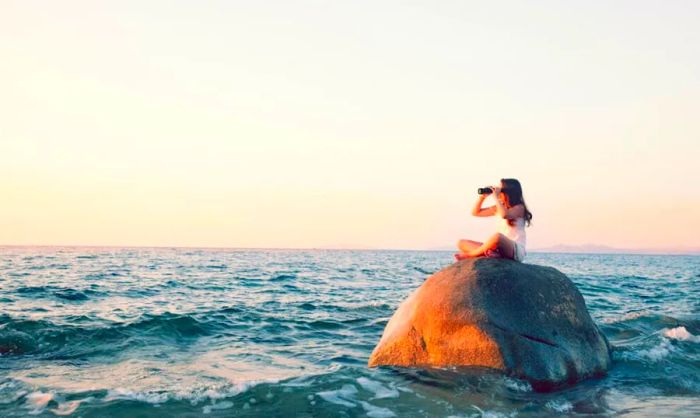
x=109, y=332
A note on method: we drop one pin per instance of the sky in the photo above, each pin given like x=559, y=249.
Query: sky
x=363, y=124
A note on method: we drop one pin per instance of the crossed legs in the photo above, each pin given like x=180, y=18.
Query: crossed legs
x=469, y=248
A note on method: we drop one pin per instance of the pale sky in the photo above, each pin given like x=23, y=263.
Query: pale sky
x=363, y=124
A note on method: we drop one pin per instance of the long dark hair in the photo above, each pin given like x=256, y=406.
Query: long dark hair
x=512, y=189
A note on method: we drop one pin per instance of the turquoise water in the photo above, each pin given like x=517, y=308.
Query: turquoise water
x=182, y=332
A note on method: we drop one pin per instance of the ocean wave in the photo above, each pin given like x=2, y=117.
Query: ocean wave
x=654, y=353
x=325, y=324
x=209, y=398
x=14, y=342
x=283, y=278
x=170, y=325
x=64, y=293
x=81, y=335
x=87, y=257
x=658, y=345
x=52, y=266
x=423, y=271
x=219, y=267
x=39, y=401
x=27, y=336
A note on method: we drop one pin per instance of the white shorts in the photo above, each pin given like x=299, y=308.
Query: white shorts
x=518, y=251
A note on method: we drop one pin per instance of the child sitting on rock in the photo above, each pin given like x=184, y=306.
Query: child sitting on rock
x=512, y=213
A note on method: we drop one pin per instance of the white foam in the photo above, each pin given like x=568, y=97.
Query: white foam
x=626, y=317
x=298, y=382
x=374, y=411
x=374, y=304
x=665, y=347
x=658, y=352
x=559, y=405
x=37, y=401
x=66, y=408
x=344, y=396
x=380, y=391
x=682, y=334
x=221, y=405
x=148, y=397
x=517, y=385
x=494, y=414
x=194, y=395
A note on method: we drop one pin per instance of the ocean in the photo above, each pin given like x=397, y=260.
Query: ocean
x=139, y=332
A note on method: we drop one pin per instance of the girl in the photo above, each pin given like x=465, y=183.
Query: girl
x=509, y=241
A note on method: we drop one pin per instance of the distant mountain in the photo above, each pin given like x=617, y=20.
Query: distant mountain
x=584, y=248
x=604, y=249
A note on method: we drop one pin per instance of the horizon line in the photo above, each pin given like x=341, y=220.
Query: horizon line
x=568, y=249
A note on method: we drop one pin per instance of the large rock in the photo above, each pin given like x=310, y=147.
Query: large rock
x=529, y=321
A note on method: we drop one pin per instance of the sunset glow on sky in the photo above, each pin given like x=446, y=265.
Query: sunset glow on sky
x=347, y=124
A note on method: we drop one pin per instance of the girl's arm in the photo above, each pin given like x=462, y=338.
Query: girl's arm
x=479, y=211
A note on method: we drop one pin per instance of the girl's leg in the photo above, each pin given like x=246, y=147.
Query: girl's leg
x=498, y=242
x=465, y=246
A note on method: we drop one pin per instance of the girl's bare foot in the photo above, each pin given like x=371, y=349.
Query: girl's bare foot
x=461, y=256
